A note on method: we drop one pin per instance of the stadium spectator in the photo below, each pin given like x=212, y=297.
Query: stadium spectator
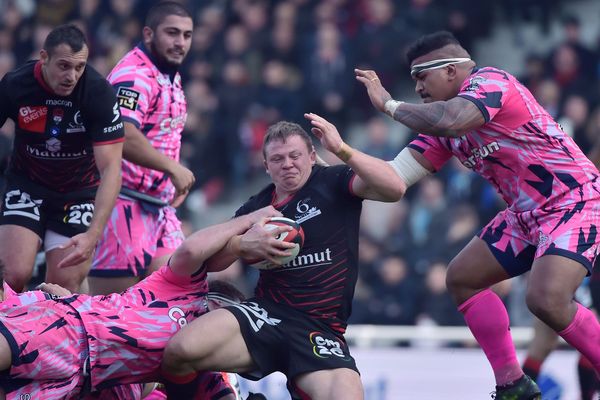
x=548, y=93
x=535, y=73
x=436, y=305
x=572, y=38
x=574, y=116
x=397, y=293
x=327, y=71
x=379, y=38
x=566, y=70
x=64, y=173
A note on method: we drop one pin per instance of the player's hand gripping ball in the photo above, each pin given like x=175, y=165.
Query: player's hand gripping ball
x=295, y=235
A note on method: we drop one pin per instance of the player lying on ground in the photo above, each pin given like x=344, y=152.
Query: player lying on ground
x=66, y=347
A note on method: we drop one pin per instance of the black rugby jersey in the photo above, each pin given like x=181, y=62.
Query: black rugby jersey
x=55, y=135
x=320, y=281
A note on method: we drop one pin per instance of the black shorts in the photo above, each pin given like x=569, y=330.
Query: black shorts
x=37, y=208
x=283, y=339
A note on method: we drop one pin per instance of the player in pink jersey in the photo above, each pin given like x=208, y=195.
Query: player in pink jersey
x=143, y=229
x=494, y=126
x=73, y=346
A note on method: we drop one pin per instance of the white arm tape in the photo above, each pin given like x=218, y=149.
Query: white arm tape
x=391, y=105
x=408, y=168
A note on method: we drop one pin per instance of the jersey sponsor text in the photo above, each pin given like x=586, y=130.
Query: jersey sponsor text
x=481, y=153
x=311, y=260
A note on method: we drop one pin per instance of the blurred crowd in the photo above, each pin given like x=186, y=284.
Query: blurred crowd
x=255, y=62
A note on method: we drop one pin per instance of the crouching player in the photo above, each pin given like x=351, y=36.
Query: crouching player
x=66, y=347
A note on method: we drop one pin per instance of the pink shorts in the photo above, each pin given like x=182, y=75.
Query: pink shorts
x=135, y=233
x=211, y=386
x=48, y=344
x=517, y=239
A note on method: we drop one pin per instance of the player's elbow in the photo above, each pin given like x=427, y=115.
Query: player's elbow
x=185, y=258
x=400, y=190
x=397, y=191
x=176, y=356
x=392, y=192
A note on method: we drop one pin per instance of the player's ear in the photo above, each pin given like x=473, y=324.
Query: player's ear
x=451, y=71
x=44, y=56
x=148, y=34
x=314, y=157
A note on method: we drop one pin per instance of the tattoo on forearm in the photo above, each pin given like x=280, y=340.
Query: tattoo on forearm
x=439, y=118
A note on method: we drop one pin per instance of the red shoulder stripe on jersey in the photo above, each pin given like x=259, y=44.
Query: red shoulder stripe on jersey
x=282, y=202
x=119, y=140
x=350, y=185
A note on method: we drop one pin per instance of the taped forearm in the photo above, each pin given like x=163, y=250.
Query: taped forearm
x=408, y=168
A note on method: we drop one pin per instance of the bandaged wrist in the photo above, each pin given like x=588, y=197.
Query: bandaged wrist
x=391, y=105
x=344, y=152
x=408, y=168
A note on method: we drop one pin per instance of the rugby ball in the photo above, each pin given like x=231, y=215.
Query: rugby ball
x=296, y=236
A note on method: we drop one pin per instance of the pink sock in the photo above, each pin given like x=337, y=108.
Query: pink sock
x=583, y=333
x=487, y=319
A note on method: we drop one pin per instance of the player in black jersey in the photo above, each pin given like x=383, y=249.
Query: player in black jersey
x=65, y=168
x=296, y=321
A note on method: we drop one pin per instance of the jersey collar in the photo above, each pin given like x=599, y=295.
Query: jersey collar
x=37, y=73
x=165, y=69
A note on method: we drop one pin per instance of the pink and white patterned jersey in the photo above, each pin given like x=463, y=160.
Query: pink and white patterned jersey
x=14, y=299
x=520, y=149
x=153, y=101
x=126, y=333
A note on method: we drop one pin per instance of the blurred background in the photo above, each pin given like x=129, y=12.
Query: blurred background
x=255, y=62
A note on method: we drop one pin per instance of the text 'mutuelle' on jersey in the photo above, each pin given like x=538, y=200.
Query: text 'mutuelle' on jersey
x=296, y=236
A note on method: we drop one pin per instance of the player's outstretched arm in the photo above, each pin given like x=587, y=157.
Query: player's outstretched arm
x=256, y=243
x=108, y=161
x=450, y=118
x=375, y=178
x=203, y=244
x=219, y=245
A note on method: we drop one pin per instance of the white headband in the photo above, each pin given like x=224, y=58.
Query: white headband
x=435, y=64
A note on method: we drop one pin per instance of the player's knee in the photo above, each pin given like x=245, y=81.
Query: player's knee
x=17, y=278
x=544, y=302
x=454, y=279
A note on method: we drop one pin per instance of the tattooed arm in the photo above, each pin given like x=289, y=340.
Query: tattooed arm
x=453, y=118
